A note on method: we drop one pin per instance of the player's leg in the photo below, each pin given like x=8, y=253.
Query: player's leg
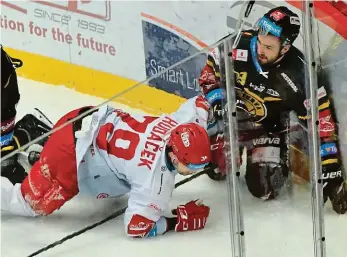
x=30, y=127
x=53, y=178
x=15, y=135
x=55, y=173
x=267, y=166
x=218, y=169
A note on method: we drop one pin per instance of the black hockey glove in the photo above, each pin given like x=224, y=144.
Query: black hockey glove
x=218, y=110
x=338, y=198
x=334, y=187
x=216, y=99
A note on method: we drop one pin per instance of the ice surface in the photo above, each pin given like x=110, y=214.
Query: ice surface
x=272, y=229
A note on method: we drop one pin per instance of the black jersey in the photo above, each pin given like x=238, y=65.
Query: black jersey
x=9, y=85
x=269, y=93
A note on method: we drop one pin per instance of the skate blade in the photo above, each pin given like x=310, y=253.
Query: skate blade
x=42, y=117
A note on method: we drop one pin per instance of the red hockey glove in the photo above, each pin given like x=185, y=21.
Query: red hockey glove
x=191, y=216
x=208, y=80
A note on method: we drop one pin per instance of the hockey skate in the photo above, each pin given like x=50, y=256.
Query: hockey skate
x=30, y=127
x=34, y=124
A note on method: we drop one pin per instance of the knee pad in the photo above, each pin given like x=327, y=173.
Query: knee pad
x=265, y=180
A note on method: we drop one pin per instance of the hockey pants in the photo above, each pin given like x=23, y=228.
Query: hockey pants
x=266, y=162
x=52, y=180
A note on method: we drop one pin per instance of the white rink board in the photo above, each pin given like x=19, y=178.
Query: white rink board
x=117, y=25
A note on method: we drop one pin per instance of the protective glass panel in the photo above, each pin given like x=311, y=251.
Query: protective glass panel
x=331, y=54
x=272, y=124
x=166, y=59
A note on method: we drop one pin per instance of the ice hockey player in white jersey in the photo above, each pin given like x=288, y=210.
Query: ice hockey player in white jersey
x=111, y=153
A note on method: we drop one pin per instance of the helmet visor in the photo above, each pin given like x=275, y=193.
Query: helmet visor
x=196, y=167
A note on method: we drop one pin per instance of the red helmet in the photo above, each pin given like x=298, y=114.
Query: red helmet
x=191, y=145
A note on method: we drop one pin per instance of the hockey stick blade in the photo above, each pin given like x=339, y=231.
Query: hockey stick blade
x=108, y=218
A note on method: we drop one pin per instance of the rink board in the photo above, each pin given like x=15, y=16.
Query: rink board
x=95, y=83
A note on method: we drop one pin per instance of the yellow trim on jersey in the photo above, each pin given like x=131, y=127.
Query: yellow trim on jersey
x=304, y=117
x=94, y=82
x=324, y=105
x=321, y=107
x=254, y=95
x=329, y=161
x=7, y=148
x=16, y=141
x=271, y=99
x=212, y=65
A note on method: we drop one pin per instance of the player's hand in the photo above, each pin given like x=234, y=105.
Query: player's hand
x=191, y=216
x=208, y=79
x=338, y=198
x=219, y=110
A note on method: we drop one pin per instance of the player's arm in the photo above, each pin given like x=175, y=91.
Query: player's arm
x=210, y=75
x=196, y=109
x=148, y=220
x=333, y=182
x=210, y=81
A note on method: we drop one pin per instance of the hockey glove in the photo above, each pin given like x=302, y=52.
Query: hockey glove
x=338, y=198
x=216, y=98
x=208, y=79
x=191, y=216
x=334, y=187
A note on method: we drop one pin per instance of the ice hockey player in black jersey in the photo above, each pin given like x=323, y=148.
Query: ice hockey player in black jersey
x=270, y=82
x=15, y=135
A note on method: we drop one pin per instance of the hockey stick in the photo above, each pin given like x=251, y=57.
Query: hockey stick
x=108, y=218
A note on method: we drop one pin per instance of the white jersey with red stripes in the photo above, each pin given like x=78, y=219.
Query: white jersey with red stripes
x=118, y=153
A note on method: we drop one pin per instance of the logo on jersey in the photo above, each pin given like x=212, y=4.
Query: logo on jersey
x=153, y=206
x=266, y=140
x=272, y=92
x=320, y=94
x=240, y=55
x=102, y=195
x=185, y=139
x=241, y=77
x=257, y=88
x=252, y=105
x=326, y=125
x=7, y=125
x=328, y=149
x=289, y=81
